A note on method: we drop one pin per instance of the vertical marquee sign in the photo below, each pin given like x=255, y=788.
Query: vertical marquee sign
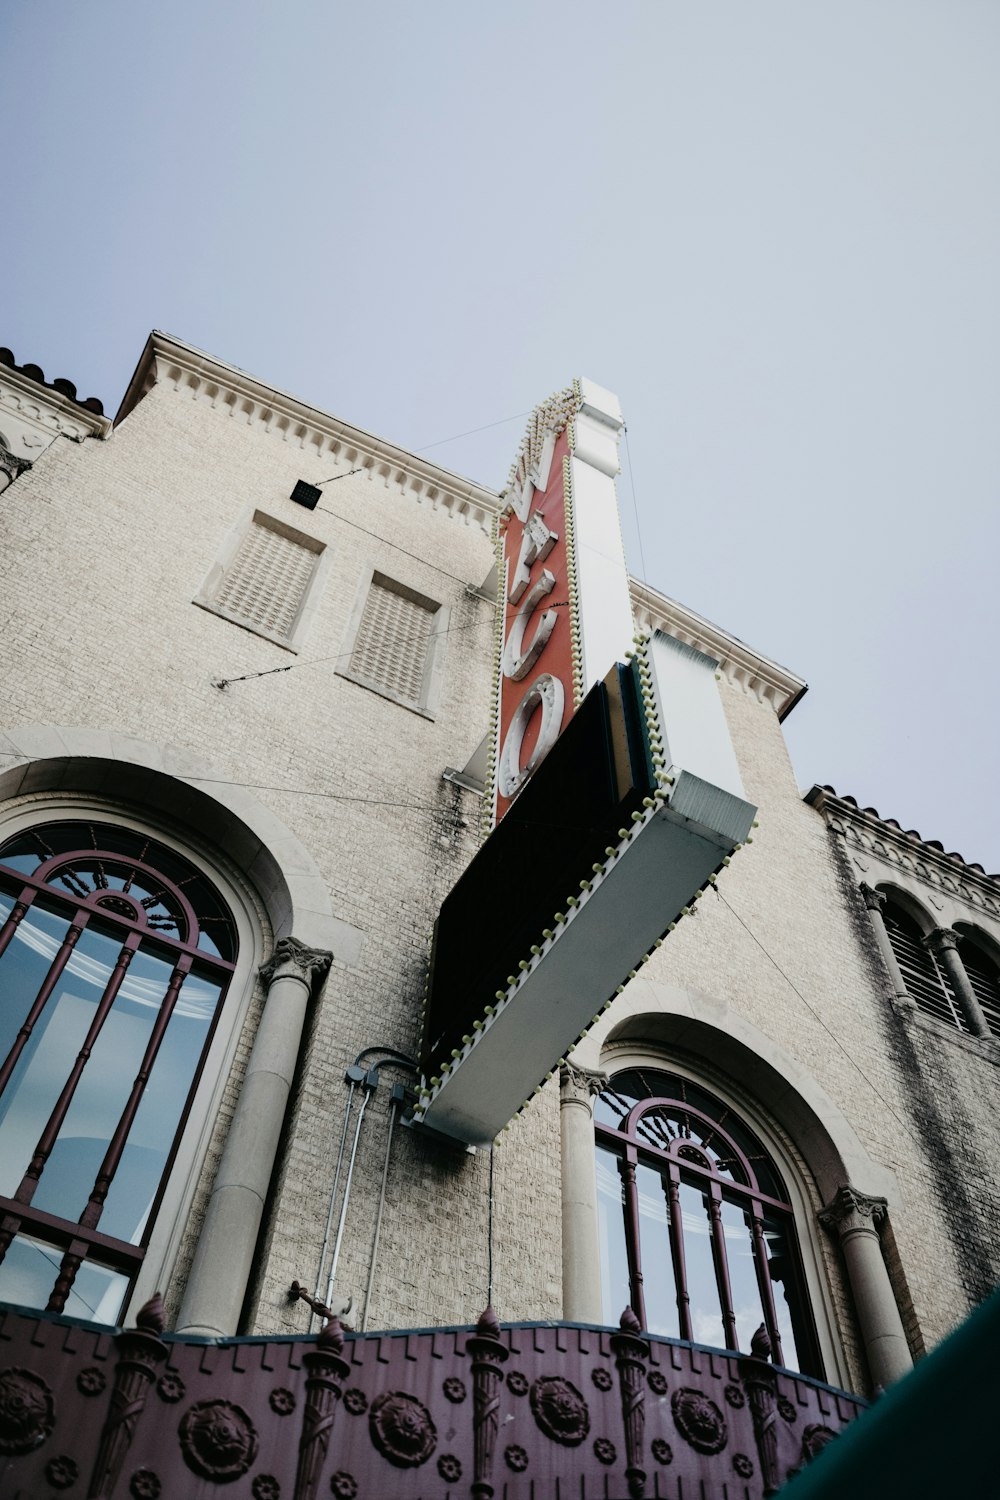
x=614, y=796
x=563, y=590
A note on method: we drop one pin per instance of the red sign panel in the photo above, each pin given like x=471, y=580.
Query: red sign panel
x=536, y=688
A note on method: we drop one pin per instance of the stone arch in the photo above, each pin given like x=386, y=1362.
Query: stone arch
x=858, y=1191
x=898, y=895
x=668, y=1016
x=980, y=937
x=178, y=789
x=186, y=790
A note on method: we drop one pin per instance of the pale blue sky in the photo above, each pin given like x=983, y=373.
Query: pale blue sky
x=771, y=226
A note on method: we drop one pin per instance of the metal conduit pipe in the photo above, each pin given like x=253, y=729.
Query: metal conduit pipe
x=393, y=1111
x=347, y=1196
x=333, y=1196
x=369, y=1078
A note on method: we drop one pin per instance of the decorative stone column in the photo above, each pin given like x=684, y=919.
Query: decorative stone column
x=580, y=1246
x=219, y=1276
x=943, y=943
x=853, y=1219
x=875, y=901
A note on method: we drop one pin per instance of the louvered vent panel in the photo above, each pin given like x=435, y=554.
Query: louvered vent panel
x=985, y=980
x=267, y=580
x=925, y=980
x=392, y=642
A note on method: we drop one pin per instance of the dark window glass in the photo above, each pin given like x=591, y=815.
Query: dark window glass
x=704, y=1243
x=115, y=953
x=984, y=976
x=926, y=979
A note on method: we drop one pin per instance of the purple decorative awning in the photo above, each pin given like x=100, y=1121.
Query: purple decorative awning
x=526, y=1411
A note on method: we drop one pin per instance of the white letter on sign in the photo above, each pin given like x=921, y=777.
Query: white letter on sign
x=537, y=542
x=516, y=662
x=546, y=691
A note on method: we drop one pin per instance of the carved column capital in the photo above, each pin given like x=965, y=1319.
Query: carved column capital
x=849, y=1211
x=579, y=1085
x=874, y=900
x=11, y=465
x=940, y=940
x=294, y=960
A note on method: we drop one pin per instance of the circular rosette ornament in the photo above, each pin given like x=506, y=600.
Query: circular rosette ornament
x=218, y=1440
x=560, y=1410
x=401, y=1429
x=605, y=1451
x=516, y=1458
x=699, y=1420
x=61, y=1472
x=91, y=1381
x=27, y=1411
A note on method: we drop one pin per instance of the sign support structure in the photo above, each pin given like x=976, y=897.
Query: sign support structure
x=613, y=799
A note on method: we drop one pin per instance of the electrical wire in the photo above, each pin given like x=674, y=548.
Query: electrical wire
x=811, y=1009
x=386, y=542
x=315, y=661
x=441, y=442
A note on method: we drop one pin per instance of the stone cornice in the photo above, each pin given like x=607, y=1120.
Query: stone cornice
x=738, y=663
x=204, y=378
x=246, y=399
x=32, y=414
x=886, y=840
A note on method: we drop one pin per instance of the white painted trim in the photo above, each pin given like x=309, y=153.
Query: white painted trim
x=201, y=377
x=743, y=667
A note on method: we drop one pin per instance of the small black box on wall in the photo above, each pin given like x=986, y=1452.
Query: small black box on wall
x=305, y=494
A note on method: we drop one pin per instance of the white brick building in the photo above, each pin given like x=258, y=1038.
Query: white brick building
x=263, y=699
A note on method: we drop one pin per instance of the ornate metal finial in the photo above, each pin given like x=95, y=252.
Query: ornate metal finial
x=331, y=1337
x=488, y=1326
x=152, y=1316
x=760, y=1344
x=629, y=1323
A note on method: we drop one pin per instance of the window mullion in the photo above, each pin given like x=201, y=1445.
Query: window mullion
x=760, y=1260
x=109, y=1166
x=677, y=1251
x=13, y=921
x=50, y=1134
x=68, y=1267
x=722, y=1264
x=626, y=1166
x=56, y=967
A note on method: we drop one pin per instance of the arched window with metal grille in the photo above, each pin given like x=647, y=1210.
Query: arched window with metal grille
x=983, y=972
x=697, y=1230
x=115, y=956
x=926, y=979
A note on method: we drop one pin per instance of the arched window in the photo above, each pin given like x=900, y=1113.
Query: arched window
x=115, y=956
x=983, y=972
x=697, y=1230
x=925, y=977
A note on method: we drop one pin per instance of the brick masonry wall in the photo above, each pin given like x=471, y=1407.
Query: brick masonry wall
x=107, y=544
